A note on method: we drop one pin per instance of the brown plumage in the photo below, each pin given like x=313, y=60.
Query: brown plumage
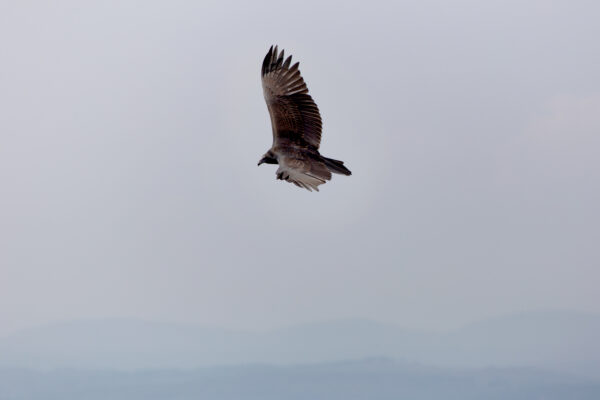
x=296, y=124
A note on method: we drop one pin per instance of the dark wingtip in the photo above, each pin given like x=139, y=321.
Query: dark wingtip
x=266, y=61
x=274, y=60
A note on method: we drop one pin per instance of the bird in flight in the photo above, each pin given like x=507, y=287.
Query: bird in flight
x=296, y=124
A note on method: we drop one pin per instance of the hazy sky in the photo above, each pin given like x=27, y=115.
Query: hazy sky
x=130, y=132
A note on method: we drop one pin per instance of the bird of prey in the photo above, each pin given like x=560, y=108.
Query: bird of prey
x=296, y=124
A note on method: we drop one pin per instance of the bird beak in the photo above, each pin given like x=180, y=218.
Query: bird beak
x=260, y=162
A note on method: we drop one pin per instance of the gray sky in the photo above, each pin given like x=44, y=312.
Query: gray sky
x=130, y=132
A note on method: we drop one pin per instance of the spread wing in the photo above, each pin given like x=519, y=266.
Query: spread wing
x=294, y=114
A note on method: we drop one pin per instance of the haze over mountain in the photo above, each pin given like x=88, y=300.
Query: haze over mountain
x=551, y=340
x=130, y=131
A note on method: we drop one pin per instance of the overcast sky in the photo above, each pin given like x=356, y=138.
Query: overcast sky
x=130, y=132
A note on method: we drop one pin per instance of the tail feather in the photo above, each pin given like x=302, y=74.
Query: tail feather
x=336, y=166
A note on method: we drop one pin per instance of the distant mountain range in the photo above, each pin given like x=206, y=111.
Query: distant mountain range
x=378, y=379
x=559, y=341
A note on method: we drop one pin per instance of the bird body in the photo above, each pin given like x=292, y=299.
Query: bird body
x=296, y=124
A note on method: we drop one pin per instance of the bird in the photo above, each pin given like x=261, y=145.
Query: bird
x=296, y=124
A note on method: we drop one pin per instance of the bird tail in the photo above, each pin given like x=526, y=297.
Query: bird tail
x=336, y=166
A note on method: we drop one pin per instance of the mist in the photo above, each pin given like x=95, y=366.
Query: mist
x=129, y=137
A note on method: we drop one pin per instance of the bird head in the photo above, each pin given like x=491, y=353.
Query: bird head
x=268, y=158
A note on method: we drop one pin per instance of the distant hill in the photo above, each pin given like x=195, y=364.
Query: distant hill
x=553, y=340
x=378, y=379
